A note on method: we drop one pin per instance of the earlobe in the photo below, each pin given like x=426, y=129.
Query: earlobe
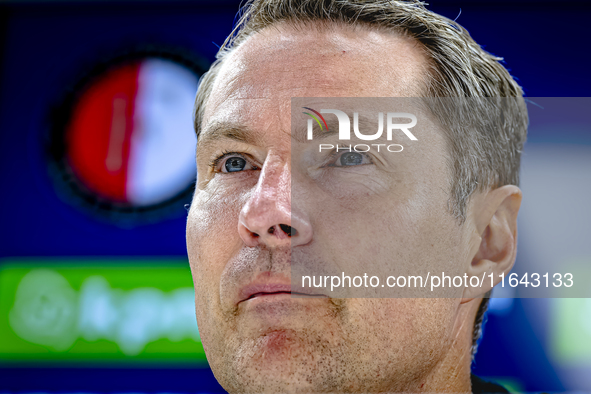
x=496, y=221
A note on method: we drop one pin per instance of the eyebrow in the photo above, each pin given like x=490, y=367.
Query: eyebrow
x=367, y=125
x=301, y=132
x=217, y=131
x=225, y=130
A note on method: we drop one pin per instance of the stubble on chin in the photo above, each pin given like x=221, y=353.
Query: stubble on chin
x=286, y=360
x=292, y=346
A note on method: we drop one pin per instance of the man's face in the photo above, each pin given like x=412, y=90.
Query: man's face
x=244, y=228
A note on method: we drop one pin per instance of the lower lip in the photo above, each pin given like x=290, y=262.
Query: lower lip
x=268, y=297
x=279, y=297
x=280, y=310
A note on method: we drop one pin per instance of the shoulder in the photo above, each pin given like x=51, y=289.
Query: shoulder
x=480, y=386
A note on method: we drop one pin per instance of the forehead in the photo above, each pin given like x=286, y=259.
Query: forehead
x=285, y=61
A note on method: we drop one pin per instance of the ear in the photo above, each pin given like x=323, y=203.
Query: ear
x=495, y=218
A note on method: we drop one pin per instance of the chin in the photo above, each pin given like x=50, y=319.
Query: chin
x=281, y=361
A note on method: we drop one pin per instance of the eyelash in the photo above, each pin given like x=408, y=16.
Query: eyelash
x=216, y=161
x=332, y=158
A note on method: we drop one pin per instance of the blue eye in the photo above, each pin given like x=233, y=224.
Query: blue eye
x=351, y=159
x=235, y=164
x=232, y=162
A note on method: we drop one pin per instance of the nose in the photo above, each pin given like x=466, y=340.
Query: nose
x=267, y=218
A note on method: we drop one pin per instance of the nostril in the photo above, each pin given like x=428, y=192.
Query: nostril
x=290, y=231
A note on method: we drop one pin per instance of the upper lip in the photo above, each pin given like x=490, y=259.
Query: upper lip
x=259, y=289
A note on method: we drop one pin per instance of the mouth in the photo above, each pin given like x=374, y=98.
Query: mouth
x=294, y=293
x=271, y=290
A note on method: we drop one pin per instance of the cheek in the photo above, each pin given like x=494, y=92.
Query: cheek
x=403, y=329
x=212, y=225
x=212, y=238
x=387, y=235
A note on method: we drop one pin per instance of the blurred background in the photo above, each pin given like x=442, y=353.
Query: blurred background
x=97, y=164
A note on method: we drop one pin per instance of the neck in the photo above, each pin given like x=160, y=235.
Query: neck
x=452, y=373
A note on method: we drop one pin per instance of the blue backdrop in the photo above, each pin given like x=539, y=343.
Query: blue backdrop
x=46, y=44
